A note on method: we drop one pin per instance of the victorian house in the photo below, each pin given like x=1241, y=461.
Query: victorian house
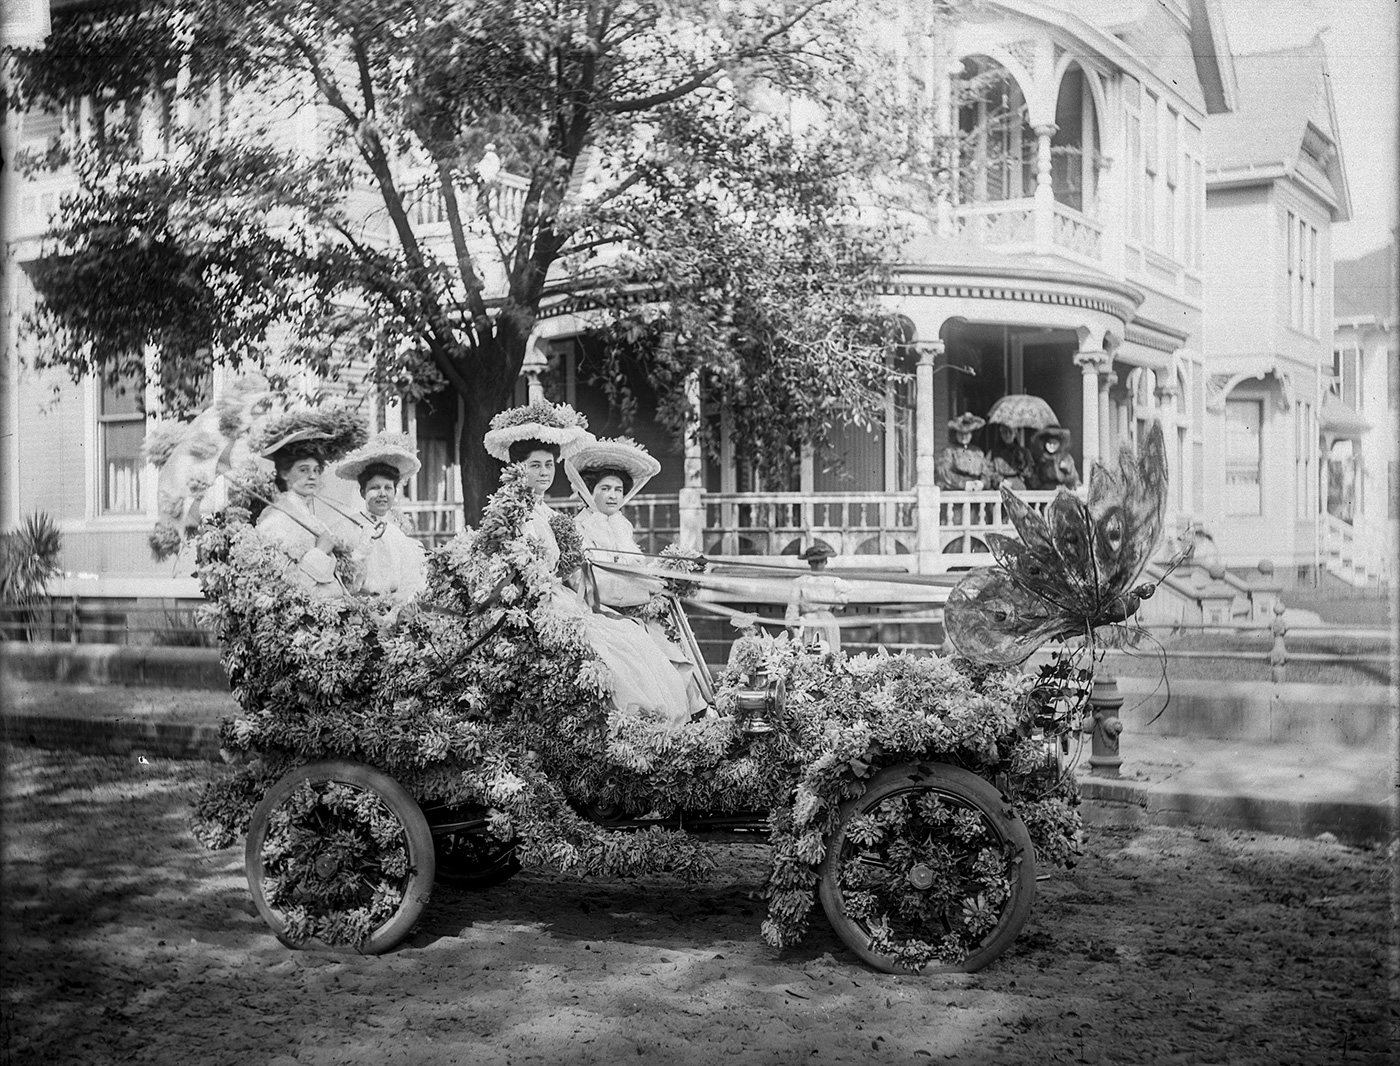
x=1361, y=424
x=1136, y=230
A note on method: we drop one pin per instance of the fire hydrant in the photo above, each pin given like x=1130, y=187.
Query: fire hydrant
x=1101, y=721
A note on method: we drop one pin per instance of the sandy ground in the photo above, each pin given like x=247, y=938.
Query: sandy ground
x=126, y=942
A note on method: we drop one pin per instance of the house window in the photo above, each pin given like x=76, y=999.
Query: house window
x=1346, y=376
x=1149, y=170
x=1302, y=275
x=1304, y=446
x=1170, y=169
x=1131, y=96
x=1244, y=422
x=121, y=427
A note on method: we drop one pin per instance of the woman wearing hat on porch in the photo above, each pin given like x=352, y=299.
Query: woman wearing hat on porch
x=607, y=474
x=643, y=680
x=315, y=539
x=814, y=598
x=963, y=466
x=393, y=560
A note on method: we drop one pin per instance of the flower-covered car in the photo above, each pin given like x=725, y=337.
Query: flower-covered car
x=914, y=796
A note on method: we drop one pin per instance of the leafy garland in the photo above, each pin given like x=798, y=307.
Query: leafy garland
x=343, y=427
x=367, y=846
x=488, y=698
x=556, y=416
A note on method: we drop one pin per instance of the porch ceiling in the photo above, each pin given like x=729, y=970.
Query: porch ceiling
x=996, y=290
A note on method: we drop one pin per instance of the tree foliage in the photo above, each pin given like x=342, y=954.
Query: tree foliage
x=317, y=178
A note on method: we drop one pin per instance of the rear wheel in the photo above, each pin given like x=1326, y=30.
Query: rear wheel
x=929, y=871
x=339, y=853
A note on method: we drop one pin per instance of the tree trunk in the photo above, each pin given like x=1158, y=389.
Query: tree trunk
x=499, y=358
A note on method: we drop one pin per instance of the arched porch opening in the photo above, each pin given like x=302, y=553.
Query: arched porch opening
x=1074, y=147
x=996, y=149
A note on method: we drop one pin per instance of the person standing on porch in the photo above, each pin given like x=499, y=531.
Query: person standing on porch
x=963, y=466
x=814, y=599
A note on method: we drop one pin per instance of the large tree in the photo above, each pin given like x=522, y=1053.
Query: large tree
x=473, y=161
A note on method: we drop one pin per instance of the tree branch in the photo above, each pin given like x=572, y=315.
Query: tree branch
x=700, y=77
x=470, y=279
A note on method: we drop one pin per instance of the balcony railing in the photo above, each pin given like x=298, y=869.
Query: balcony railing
x=1077, y=233
x=1012, y=224
x=997, y=222
x=505, y=200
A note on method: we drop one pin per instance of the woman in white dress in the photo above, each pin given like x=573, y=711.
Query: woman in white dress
x=393, y=560
x=310, y=538
x=607, y=474
x=643, y=680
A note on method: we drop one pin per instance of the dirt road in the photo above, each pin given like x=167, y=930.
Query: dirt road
x=126, y=942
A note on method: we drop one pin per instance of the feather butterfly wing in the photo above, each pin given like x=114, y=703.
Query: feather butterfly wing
x=1068, y=572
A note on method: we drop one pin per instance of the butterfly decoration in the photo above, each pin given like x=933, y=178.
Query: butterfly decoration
x=1070, y=571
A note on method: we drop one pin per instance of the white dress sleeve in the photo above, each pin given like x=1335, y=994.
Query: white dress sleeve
x=297, y=542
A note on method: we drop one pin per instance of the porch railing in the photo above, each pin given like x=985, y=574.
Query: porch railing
x=777, y=523
x=1355, y=553
x=655, y=519
x=965, y=519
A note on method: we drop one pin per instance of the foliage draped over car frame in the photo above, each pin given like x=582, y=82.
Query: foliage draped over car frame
x=659, y=190
x=487, y=698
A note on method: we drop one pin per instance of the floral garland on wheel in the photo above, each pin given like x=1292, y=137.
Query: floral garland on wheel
x=860, y=714
x=335, y=863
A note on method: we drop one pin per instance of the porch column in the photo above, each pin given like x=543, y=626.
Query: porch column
x=1166, y=394
x=1090, y=365
x=925, y=460
x=943, y=125
x=1044, y=190
x=691, y=498
x=1105, y=411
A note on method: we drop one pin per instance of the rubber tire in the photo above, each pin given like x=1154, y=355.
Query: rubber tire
x=496, y=870
x=965, y=787
x=421, y=859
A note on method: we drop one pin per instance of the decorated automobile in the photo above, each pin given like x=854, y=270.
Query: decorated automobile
x=914, y=798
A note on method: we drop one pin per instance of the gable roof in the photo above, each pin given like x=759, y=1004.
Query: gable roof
x=1215, y=65
x=1364, y=287
x=1284, y=102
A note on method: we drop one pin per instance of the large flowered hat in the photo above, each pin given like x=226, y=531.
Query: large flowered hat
x=327, y=433
x=553, y=423
x=615, y=453
x=387, y=449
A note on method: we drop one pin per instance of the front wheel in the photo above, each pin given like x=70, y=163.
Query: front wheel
x=928, y=871
x=339, y=853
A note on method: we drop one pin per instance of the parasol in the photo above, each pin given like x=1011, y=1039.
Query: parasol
x=1022, y=411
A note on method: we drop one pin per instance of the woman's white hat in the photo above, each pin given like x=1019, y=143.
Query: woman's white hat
x=617, y=453
x=544, y=421
x=390, y=449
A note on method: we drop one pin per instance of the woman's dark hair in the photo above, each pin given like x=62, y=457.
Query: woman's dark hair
x=520, y=450
x=595, y=474
x=378, y=470
x=285, y=458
